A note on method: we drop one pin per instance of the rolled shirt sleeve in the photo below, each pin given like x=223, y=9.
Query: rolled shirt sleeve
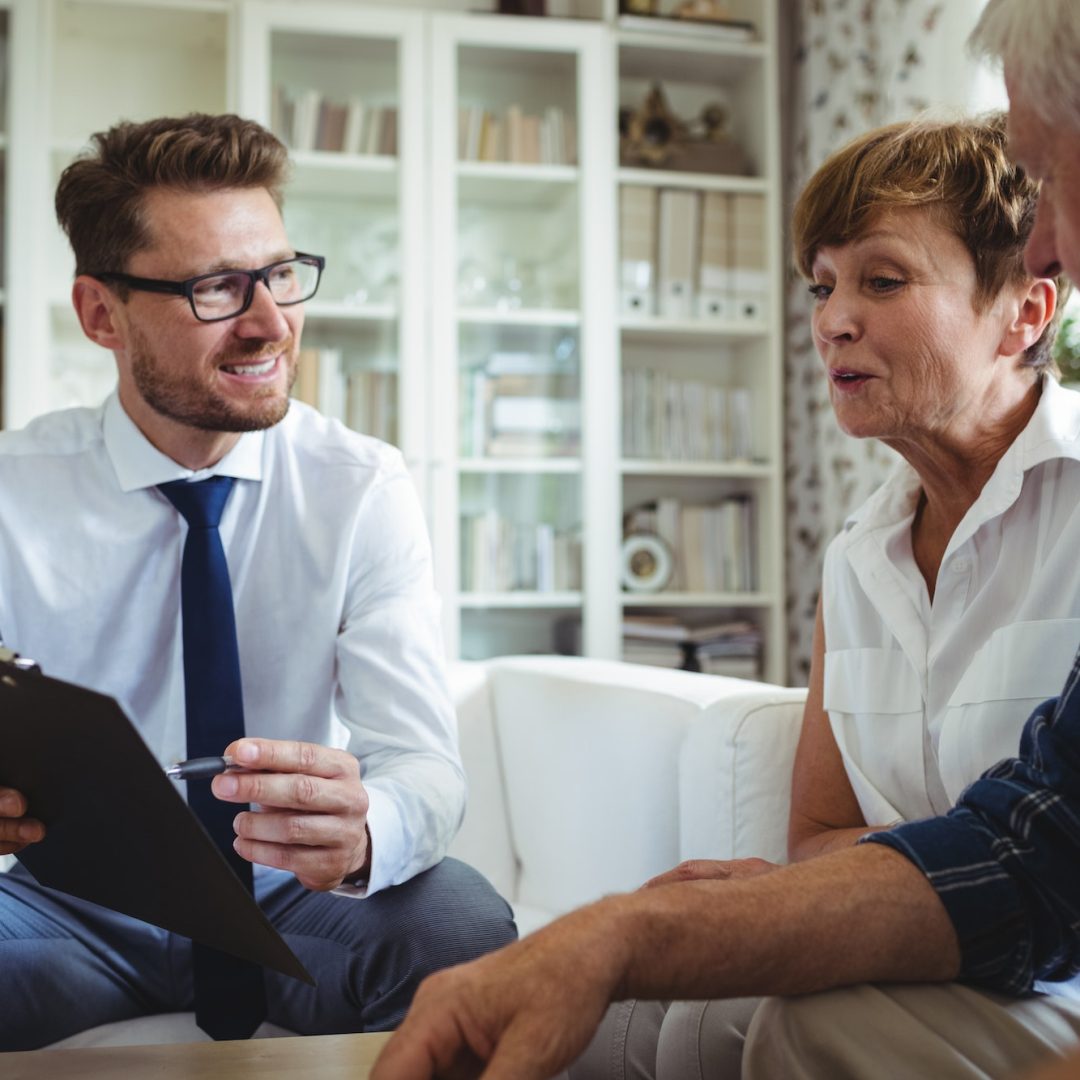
x=1005, y=861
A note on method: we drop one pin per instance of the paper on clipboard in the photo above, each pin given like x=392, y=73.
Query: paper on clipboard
x=118, y=833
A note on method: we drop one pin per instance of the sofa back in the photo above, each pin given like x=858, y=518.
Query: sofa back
x=574, y=773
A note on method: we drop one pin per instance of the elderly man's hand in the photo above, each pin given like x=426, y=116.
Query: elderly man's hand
x=311, y=815
x=712, y=870
x=523, y=1013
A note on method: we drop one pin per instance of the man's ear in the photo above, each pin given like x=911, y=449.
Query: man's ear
x=1030, y=312
x=99, y=313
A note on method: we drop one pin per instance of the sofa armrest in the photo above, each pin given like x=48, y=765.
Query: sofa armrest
x=735, y=775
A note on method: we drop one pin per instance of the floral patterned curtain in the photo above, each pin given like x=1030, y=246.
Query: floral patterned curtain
x=853, y=65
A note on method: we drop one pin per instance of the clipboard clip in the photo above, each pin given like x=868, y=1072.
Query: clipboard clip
x=10, y=658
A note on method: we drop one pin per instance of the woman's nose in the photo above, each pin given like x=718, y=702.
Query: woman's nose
x=835, y=318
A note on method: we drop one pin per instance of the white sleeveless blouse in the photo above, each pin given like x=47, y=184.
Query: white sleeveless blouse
x=922, y=697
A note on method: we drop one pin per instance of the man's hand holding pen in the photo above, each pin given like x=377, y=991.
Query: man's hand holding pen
x=311, y=816
x=16, y=829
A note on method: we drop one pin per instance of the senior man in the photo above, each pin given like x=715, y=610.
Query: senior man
x=939, y=930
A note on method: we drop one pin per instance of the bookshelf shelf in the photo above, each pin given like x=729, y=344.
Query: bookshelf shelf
x=517, y=173
x=698, y=600
x=520, y=600
x=519, y=316
x=520, y=465
x=673, y=58
x=336, y=159
x=338, y=311
x=655, y=327
x=735, y=470
x=753, y=185
x=323, y=173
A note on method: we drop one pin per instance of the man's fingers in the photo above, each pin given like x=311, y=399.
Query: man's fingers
x=289, y=756
x=12, y=803
x=519, y=1053
x=292, y=791
x=284, y=827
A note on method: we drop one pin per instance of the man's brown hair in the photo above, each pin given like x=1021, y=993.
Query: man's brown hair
x=100, y=195
x=960, y=171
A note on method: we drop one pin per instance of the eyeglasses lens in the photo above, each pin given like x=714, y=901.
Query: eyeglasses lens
x=223, y=295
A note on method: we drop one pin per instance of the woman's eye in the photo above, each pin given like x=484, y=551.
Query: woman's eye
x=820, y=292
x=884, y=284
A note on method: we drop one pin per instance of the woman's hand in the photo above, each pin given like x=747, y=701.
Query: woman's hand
x=712, y=870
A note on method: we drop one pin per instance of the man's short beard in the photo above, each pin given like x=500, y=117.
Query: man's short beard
x=198, y=407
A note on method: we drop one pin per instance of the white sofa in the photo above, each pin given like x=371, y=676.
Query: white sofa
x=587, y=777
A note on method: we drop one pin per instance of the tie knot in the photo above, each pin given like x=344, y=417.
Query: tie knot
x=201, y=503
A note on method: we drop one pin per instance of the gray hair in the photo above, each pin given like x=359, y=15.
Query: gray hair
x=1038, y=41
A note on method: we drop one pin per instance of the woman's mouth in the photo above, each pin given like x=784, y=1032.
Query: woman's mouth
x=848, y=380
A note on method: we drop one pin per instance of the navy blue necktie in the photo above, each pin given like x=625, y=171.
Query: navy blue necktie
x=230, y=1001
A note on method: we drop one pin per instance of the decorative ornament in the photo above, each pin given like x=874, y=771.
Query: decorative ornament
x=646, y=563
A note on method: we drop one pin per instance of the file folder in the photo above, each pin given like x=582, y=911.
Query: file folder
x=118, y=832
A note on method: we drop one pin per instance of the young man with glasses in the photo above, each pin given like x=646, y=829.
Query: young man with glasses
x=246, y=577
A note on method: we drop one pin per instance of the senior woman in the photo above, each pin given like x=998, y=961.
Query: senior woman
x=950, y=603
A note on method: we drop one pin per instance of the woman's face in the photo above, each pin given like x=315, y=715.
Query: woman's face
x=905, y=352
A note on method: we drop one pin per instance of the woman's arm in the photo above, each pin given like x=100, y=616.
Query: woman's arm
x=825, y=814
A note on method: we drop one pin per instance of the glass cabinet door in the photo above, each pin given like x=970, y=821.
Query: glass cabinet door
x=342, y=88
x=509, y=314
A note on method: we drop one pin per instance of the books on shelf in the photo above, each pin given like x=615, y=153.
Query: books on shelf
x=513, y=135
x=637, y=249
x=518, y=406
x=730, y=647
x=371, y=403
x=665, y=418
x=363, y=399
x=499, y=554
x=718, y=29
x=308, y=120
x=713, y=545
x=693, y=254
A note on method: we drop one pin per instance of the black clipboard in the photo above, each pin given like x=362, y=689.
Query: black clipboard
x=118, y=833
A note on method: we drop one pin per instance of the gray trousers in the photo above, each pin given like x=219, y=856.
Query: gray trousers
x=68, y=965
x=946, y=1031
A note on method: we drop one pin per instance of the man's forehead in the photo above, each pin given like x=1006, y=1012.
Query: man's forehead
x=200, y=232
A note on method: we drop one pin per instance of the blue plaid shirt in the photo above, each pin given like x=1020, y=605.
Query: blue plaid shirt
x=1005, y=861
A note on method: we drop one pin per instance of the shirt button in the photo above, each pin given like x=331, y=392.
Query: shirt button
x=961, y=566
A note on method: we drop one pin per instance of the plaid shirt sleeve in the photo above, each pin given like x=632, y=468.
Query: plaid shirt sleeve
x=1005, y=861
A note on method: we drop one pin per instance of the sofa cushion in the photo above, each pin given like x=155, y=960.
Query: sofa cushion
x=590, y=758
x=735, y=776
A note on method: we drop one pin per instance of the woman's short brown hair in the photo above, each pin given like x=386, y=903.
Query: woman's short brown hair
x=100, y=195
x=959, y=170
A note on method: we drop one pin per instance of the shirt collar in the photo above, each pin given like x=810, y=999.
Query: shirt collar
x=138, y=464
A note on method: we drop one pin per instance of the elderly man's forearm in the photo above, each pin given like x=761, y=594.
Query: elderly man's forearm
x=860, y=915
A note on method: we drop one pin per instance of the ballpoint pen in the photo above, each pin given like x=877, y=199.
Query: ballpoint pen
x=202, y=768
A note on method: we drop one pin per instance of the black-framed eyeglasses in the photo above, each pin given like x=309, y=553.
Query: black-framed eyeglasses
x=228, y=293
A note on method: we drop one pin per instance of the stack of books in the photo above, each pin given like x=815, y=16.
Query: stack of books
x=729, y=647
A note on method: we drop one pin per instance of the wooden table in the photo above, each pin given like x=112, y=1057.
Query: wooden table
x=315, y=1057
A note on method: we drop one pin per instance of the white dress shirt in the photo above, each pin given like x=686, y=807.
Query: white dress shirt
x=336, y=614
x=924, y=696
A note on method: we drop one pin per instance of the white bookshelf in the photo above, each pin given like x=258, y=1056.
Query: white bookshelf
x=439, y=268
